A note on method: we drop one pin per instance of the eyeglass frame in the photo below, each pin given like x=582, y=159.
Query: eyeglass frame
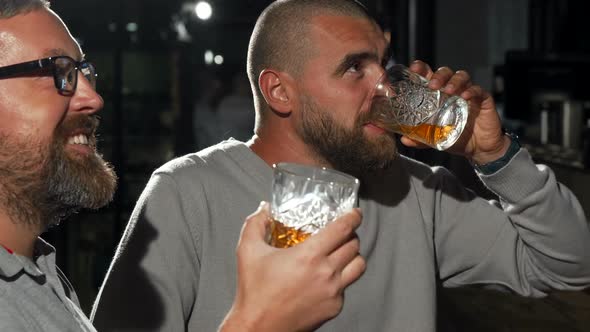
x=30, y=66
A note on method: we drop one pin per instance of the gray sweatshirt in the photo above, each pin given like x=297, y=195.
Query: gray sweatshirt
x=175, y=268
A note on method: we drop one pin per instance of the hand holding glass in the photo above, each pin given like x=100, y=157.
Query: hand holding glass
x=404, y=104
x=305, y=199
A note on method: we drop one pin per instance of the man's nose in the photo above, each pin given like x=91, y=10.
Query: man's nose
x=85, y=98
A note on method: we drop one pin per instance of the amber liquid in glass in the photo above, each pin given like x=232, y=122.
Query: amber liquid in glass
x=426, y=133
x=285, y=237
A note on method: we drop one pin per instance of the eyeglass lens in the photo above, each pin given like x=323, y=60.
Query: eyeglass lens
x=89, y=72
x=66, y=74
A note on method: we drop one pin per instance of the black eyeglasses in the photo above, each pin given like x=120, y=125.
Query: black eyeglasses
x=64, y=70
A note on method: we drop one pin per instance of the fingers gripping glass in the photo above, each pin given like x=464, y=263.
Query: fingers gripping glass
x=63, y=68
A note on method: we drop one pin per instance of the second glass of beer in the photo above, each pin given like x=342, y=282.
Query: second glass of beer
x=305, y=199
x=404, y=104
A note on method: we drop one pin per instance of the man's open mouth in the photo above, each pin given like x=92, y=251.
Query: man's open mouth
x=81, y=139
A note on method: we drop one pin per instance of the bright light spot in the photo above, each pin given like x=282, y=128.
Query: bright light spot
x=209, y=57
x=218, y=59
x=203, y=10
x=132, y=27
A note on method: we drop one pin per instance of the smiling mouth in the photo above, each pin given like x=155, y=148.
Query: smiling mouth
x=82, y=143
x=80, y=139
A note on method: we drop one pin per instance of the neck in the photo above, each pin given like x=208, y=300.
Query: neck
x=276, y=143
x=17, y=236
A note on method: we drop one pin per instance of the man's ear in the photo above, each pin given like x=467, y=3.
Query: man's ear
x=277, y=90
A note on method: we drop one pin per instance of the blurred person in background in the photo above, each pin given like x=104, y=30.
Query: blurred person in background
x=205, y=123
x=235, y=113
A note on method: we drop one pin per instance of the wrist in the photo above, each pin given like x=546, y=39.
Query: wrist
x=235, y=321
x=493, y=163
x=487, y=157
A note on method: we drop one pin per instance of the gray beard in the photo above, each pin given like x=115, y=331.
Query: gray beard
x=40, y=186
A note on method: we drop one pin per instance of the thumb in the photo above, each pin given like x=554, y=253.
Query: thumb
x=256, y=226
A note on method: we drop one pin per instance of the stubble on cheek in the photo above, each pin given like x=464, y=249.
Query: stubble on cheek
x=22, y=174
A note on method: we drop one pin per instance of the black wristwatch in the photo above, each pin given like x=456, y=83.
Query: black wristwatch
x=494, y=166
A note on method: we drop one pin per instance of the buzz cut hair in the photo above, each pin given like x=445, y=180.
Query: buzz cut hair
x=10, y=8
x=280, y=39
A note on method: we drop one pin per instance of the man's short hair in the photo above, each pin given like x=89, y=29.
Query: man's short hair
x=10, y=8
x=280, y=39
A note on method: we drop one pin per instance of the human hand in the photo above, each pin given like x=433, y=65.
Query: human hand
x=482, y=140
x=293, y=289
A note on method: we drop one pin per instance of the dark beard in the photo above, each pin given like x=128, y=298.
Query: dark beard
x=42, y=184
x=347, y=150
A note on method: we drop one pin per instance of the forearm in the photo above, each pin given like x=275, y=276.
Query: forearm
x=548, y=219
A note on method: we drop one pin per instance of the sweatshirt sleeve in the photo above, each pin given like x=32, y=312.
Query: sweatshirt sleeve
x=535, y=239
x=151, y=283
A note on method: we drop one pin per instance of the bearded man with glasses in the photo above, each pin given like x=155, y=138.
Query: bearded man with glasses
x=49, y=166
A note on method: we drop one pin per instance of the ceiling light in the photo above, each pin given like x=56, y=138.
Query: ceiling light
x=203, y=10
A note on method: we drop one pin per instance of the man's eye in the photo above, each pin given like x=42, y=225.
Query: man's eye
x=355, y=67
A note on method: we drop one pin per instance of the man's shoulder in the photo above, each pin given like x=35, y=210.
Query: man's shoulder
x=207, y=160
